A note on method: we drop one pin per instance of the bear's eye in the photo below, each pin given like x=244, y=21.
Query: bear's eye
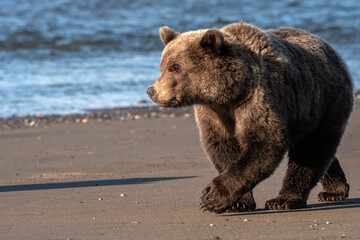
x=175, y=68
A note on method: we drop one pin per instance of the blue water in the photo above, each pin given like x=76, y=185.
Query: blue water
x=64, y=56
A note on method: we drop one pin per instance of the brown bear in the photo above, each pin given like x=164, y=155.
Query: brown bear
x=258, y=95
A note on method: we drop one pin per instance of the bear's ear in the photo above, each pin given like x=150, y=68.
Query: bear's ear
x=166, y=34
x=212, y=40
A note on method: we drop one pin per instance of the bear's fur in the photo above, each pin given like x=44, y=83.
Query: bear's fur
x=257, y=95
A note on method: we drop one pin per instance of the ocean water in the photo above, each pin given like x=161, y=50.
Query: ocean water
x=63, y=56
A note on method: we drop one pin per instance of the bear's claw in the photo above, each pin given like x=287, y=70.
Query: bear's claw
x=241, y=207
x=331, y=197
x=235, y=207
x=284, y=204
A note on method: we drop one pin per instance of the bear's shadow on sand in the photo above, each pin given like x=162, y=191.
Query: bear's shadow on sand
x=348, y=203
x=81, y=184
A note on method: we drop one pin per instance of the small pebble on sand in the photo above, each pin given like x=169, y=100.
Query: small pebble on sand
x=328, y=222
x=100, y=199
x=122, y=195
x=246, y=220
x=211, y=225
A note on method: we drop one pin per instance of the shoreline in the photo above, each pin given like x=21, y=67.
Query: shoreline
x=99, y=115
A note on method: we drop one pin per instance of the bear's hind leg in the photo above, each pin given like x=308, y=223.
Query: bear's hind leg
x=335, y=186
x=308, y=161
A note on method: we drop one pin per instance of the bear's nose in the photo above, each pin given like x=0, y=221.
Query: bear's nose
x=150, y=91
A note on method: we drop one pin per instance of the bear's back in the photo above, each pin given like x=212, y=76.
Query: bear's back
x=296, y=37
x=320, y=57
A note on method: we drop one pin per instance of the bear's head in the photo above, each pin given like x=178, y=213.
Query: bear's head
x=199, y=67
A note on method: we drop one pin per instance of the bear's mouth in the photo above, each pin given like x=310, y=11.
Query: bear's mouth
x=172, y=103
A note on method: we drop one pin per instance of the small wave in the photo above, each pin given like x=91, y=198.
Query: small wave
x=104, y=41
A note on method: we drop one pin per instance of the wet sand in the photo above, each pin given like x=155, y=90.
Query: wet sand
x=114, y=178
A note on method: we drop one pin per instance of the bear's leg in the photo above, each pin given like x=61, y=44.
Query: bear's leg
x=308, y=160
x=246, y=202
x=335, y=186
x=238, y=179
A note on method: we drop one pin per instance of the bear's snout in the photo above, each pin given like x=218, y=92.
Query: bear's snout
x=151, y=92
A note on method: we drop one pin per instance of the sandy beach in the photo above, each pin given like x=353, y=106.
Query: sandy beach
x=139, y=177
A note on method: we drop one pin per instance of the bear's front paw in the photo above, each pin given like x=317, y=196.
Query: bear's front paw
x=215, y=198
x=284, y=204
